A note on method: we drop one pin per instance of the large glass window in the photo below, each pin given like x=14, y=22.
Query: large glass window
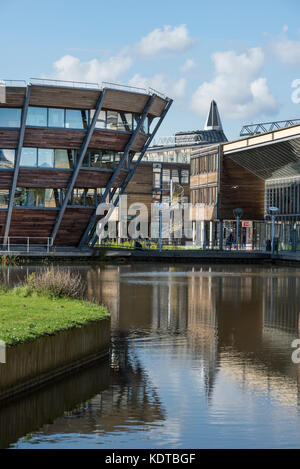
x=65, y=159
x=76, y=119
x=125, y=121
x=37, y=197
x=7, y=158
x=29, y=157
x=111, y=120
x=56, y=117
x=37, y=116
x=95, y=158
x=107, y=159
x=101, y=121
x=45, y=158
x=10, y=117
x=4, y=198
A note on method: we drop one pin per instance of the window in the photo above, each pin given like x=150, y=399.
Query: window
x=29, y=157
x=125, y=121
x=95, y=159
x=10, y=117
x=56, y=117
x=37, y=116
x=184, y=176
x=45, y=158
x=76, y=119
x=7, y=158
x=112, y=120
x=108, y=159
x=38, y=197
x=4, y=198
x=64, y=159
x=101, y=121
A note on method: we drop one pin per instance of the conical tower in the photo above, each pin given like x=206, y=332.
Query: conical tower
x=213, y=121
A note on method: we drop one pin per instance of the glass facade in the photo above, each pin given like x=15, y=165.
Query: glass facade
x=76, y=119
x=7, y=158
x=37, y=116
x=4, y=198
x=29, y=157
x=204, y=164
x=204, y=195
x=51, y=198
x=56, y=117
x=10, y=117
x=64, y=159
x=122, y=121
x=37, y=197
x=169, y=155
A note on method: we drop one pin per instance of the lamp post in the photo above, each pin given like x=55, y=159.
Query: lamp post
x=273, y=211
x=238, y=212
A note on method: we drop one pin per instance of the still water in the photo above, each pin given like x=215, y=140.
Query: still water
x=200, y=358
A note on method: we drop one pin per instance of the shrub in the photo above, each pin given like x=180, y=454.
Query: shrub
x=56, y=283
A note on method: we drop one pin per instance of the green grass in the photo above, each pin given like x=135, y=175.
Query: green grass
x=24, y=318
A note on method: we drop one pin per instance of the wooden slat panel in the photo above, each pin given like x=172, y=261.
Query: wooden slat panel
x=6, y=176
x=2, y=222
x=248, y=193
x=72, y=226
x=9, y=138
x=157, y=107
x=98, y=178
x=139, y=142
x=51, y=178
x=125, y=101
x=53, y=138
x=15, y=96
x=73, y=98
x=204, y=178
x=32, y=223
x=103, y=139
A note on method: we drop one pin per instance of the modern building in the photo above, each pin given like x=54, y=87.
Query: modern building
x=64, y=148
x=253, y=174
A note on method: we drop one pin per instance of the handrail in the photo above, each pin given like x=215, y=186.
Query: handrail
x=7, y=242
x=12, y=82
x=69, y=83
x=108, y=84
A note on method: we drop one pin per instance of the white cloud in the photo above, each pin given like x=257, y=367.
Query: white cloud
x=160, y=83
x=237, y=86
x=69, y=67
x=287, y=50
x=188, y=64
x=174, y=39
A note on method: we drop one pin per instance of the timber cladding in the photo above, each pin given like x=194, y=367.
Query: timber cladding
x=240, y=189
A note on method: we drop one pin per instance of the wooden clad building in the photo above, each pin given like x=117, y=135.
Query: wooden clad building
x=63, y=150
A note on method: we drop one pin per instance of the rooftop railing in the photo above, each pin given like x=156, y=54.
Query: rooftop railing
x=81, y=84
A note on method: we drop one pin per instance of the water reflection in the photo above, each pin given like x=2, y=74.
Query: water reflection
x=200, y=357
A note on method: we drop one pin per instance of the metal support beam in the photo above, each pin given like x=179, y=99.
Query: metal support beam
x=17, y=163
x=129, y=175
x=82, y=153
x=116, y=172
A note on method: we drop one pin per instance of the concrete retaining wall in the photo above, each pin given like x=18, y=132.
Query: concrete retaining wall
x=32, y=364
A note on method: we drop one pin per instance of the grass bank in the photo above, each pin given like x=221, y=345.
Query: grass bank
x=46, y=303
x=25, y=318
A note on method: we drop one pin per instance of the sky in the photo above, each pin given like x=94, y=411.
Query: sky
x=245, y=55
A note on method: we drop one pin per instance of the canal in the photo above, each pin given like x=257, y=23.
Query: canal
x=200, y=358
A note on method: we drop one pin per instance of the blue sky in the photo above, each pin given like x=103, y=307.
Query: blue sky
x=244, y=55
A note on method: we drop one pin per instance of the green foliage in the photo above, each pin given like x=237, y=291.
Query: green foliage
x=26, y=315
x=8, y=259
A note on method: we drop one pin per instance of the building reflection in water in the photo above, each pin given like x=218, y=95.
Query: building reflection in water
x=239, y=322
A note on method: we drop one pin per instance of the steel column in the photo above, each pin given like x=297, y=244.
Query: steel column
x=82, y=153
x=130, y=174
x=17, y=163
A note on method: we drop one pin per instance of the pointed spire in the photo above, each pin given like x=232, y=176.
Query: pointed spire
x=213, y=121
